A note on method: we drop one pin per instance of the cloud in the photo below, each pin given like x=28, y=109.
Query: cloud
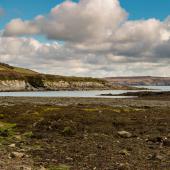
x=98, y=40
x=69, y=21
x=62, y=60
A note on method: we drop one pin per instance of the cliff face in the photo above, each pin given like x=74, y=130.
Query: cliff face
x=22, y=85
x=74, y=85
x=21, y=79
x=12, y=85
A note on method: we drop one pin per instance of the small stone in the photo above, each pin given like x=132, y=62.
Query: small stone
x=69, y=159
x=17, y=155
x=12, y=145
x=25, y=168
x=124, y=166
x=124, y=152
x=42, y=168
x=159, y=157
x=18, y=137
x=155, y=157
x=149, y=157
x=125, y=134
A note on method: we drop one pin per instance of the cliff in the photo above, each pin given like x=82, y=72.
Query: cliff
x=20, y=79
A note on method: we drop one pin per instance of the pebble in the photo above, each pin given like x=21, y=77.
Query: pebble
x=125, y=134
x=123, y=166
x=12, y=145
x=124, y=152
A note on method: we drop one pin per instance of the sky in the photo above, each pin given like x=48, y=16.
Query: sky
x=87, y=37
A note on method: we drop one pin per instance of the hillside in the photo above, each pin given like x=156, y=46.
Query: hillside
x=139, y=81
x=21, y=79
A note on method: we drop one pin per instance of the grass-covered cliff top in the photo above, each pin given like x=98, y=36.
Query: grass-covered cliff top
x=8, y=72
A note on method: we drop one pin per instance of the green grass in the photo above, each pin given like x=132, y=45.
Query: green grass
x=6, y=130
x=6, y=126
x=24, y=71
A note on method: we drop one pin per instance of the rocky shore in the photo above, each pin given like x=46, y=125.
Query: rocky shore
x=84, y=134
x=165, y=95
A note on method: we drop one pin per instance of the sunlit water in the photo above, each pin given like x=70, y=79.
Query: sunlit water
x=90, y=94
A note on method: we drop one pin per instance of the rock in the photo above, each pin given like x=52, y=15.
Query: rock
x=155, y=157
x=69, y=159
x=168, y=135
x=17, y=155
x=125, y=134
x=12, y=145
x=124, y=166
x=159, y=157
x=124, y=152
x=25, y=168
x=18, y=137
x=149, y=157
x=42, y=168
x=155, y=139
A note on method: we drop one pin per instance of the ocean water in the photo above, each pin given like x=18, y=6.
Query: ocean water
x=90, y=94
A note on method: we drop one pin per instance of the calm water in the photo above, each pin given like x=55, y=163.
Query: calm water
x=94, y=93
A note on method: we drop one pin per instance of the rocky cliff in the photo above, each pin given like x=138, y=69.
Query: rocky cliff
x=23, y=85
x=64, y=85
x=14, y=85
x=21, y=79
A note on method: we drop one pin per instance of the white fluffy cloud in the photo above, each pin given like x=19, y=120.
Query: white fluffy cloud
x=86, y=20
x=98, y=39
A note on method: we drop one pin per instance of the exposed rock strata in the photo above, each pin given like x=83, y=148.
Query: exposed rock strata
x=22, y=85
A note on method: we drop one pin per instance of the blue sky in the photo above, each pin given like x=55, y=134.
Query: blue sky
x=137, y=9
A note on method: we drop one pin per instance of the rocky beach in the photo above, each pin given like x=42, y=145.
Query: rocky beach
x=84, y=134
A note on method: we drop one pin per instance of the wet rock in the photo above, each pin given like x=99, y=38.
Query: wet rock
x=124, y=134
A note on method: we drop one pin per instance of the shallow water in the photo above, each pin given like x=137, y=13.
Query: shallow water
x=94, y=93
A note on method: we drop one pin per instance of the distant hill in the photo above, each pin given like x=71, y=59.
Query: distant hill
x=139, y=81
